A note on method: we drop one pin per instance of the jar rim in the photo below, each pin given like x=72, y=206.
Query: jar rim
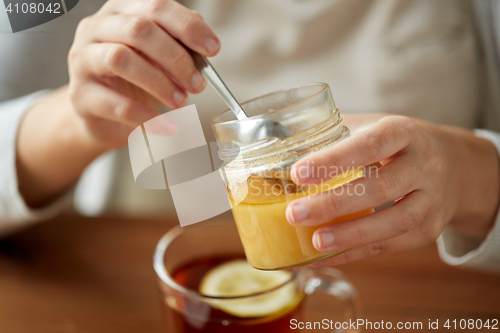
x=325, y=86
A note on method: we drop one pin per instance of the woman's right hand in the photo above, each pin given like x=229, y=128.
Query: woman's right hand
x=129, y=58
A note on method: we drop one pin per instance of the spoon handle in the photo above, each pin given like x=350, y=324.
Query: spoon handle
x=209, y=73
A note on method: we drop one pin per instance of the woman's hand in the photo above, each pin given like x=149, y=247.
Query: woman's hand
x=131, y=56
x=436, y=174
x=125, y=61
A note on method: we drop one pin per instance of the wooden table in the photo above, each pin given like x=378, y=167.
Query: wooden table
x=75, y=274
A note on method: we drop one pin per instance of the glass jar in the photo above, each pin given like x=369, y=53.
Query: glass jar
x=257, y=174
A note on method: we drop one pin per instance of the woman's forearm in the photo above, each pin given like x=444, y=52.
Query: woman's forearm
x=52, y=149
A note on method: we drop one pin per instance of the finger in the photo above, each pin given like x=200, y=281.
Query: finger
x=146, y=36
x=396, y=220
x=100, y=101
x=108, y=59
x=380, y=141
x=415, y=238
x=360, y=122
x=182, y=23
x=390, y=182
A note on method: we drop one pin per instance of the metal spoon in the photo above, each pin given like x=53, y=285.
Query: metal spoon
x=258, y=128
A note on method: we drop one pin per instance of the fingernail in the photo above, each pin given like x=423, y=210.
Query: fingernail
x=323, y=240
x=297, y=213
x=197, y=81
x=211, y=44
x=179, y=98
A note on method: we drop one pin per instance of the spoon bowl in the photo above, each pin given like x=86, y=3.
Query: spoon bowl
x=253, y=129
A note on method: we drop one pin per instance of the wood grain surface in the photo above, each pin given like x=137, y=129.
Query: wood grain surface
x=75, y=274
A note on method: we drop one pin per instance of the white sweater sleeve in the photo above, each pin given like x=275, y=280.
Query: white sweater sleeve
x=14, y=214
x=457, y=249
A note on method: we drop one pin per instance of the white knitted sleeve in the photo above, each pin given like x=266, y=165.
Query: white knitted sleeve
x=14, y=214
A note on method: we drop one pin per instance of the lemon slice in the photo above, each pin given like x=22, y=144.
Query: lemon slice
x=237, y=278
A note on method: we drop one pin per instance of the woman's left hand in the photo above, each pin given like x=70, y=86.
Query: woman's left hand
x=436, y=174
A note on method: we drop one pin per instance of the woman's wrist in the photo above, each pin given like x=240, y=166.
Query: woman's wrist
x=476, y=172
x=52, y=150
